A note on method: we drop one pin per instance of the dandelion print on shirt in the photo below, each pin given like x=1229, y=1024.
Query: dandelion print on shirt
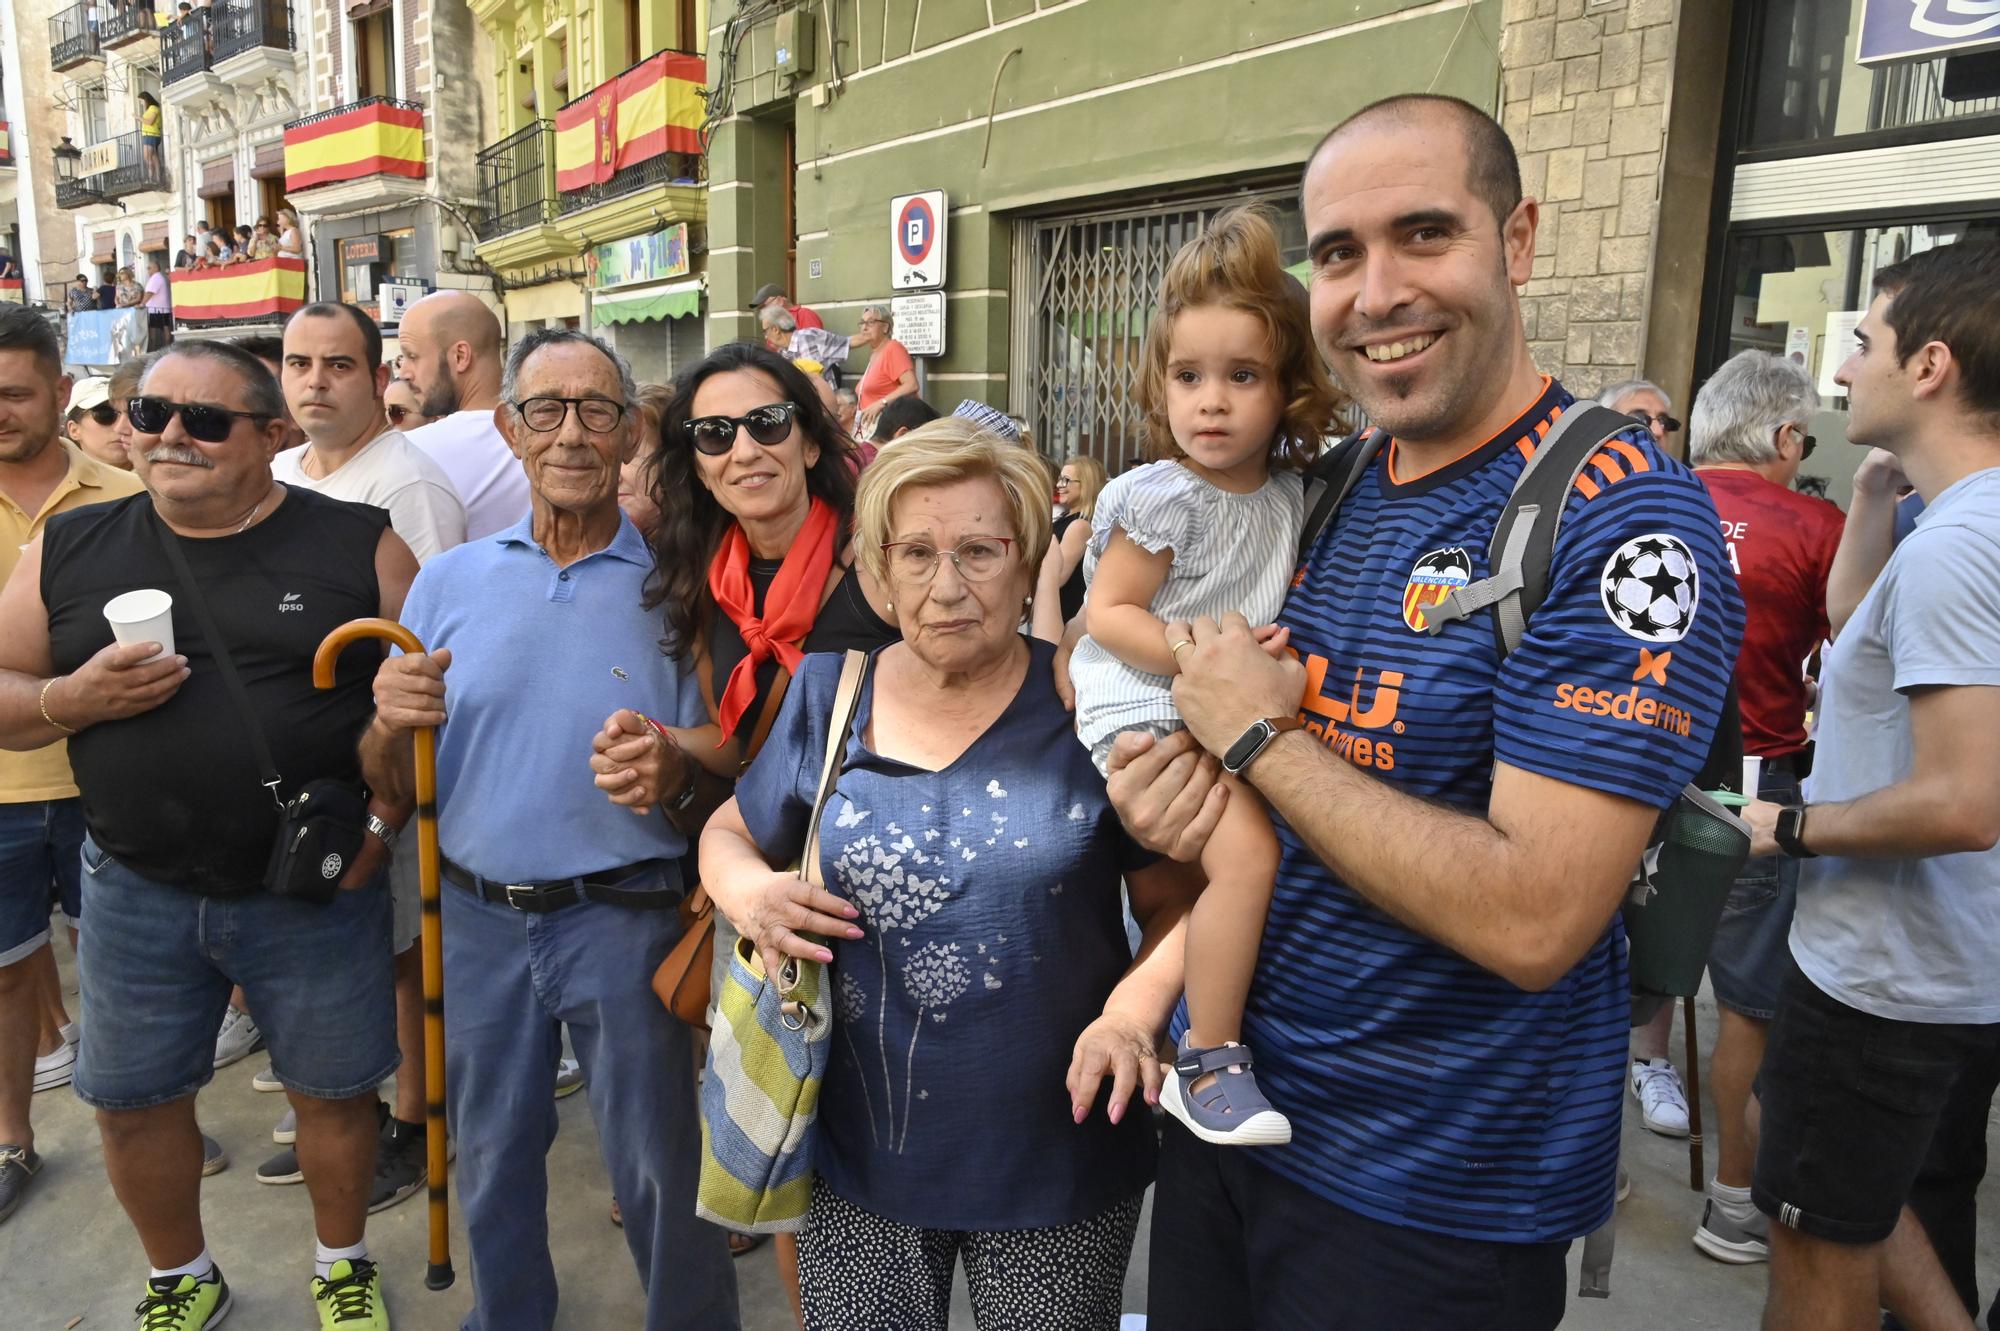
x=992, y=934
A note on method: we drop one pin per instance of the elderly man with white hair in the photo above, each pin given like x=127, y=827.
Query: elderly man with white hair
x=1646, y=400
x=1746, y=441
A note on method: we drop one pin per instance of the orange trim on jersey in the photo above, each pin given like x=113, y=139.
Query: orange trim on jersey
x=1542, y=429
x=1633, y=457
x=1607, y=467
x=1587, y=487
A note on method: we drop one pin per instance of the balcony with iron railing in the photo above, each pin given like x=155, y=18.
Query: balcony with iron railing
x=134, y=167
x=517, y=180
x=122, y=22
x=79, y=193
x=186, y=48
x=662, y=169
x=251, y=25
x=366, y=153
x=73, y=37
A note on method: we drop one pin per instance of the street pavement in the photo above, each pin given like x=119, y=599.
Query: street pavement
x=69, y=1254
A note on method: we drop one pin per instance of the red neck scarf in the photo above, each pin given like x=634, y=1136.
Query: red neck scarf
x=790, y=606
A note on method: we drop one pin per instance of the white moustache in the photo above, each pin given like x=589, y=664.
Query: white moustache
x=178, y=453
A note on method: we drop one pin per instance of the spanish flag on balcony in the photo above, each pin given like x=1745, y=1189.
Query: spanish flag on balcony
x=652, y=108
x=376, y=137
x=239, y=290
x=6, y=145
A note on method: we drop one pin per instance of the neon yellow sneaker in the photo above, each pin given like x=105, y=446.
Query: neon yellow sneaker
x=350, y=1299
x=183, y=1303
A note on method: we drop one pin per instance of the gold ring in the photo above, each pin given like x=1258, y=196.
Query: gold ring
x=1174, y=649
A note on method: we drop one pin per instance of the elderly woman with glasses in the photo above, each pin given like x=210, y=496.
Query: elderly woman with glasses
x=545, y=678
x=983, y=982
x=890, y=374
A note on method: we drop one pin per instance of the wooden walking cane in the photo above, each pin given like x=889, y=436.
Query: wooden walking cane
x=425, y=741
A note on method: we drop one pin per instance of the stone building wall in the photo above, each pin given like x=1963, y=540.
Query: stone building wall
x=1584, y=94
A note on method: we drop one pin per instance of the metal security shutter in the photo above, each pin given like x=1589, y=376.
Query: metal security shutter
x=1084, y=287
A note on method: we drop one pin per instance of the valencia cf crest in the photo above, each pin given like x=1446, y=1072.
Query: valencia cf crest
x=1432, y=578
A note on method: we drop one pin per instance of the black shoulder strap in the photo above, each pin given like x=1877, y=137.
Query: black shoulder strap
x=1524, y=539
x=267, y=771
x=1332, y=479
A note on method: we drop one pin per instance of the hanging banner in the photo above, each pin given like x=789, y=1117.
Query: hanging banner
x=652, y=108
x=240, y=290
x=106, y=337
x=377, y=137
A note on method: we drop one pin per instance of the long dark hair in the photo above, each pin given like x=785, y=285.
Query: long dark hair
x=692, y=522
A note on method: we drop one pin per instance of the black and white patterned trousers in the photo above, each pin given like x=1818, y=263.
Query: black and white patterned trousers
x=861, y=1272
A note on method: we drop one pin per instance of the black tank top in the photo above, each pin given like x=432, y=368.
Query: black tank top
x=174, y=793
x=845, y=621
x=1072, y=591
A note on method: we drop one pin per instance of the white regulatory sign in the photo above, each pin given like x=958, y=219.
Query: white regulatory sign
x=916, y=240
x=919, y=322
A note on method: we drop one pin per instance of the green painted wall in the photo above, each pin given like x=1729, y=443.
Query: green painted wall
x=1105, y=100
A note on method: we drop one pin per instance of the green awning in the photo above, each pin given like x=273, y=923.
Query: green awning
x=673, y=300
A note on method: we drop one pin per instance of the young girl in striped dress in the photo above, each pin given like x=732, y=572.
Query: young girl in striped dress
x=1236, y=402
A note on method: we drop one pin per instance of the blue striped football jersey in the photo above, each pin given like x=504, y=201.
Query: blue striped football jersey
x=1424, y=1090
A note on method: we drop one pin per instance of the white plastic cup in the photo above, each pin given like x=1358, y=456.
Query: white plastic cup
x=143, y=616
x=1753, y=768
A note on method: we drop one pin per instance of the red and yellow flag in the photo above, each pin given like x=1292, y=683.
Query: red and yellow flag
x=375, y=138
x=240, y=290
x=652, y=108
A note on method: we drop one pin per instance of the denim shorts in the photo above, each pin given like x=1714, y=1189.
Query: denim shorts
x=1752, y=947
x=40, y=862
x=158, y=962
x=1850, y=1104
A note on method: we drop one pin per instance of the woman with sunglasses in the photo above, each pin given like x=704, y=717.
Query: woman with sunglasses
x=92, y=423
x=1059, y=596
x=755, y=486
x=399, y=403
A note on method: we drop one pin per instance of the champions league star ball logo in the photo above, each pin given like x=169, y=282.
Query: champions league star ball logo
x=1651, y=588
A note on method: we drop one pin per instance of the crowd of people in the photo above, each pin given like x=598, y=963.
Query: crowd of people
x=1247, y=785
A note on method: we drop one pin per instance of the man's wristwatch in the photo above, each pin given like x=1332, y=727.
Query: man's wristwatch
x=1255, y=740
x=685, y=799
x=383, y=832
x=1790, y=833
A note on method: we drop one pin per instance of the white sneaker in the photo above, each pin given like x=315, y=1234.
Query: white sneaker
x=1662, y=1103
x=237, y=1039
x=287, y=1130
x=266, y=1080
x=53, y=1070
x=569, y=1077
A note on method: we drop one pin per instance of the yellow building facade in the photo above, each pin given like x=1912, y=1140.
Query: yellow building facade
x=592, y=184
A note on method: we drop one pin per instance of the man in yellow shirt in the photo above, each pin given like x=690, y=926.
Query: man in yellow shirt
x=41, y=818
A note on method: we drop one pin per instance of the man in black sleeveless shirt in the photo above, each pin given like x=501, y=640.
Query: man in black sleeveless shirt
x=180, y=828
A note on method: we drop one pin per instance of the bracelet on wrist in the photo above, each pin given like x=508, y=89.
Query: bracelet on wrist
x=43, y=700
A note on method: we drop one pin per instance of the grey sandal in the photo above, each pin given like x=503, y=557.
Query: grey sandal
x=1230, y=1111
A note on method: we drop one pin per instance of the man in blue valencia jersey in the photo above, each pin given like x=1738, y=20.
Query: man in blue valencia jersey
x=1440, y=1003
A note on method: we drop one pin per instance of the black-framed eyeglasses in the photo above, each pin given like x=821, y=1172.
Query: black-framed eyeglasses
x=210, y=425
x=596, y=414
x=769, y=425
x=1667, y=424
x=977, y=558
x=1065, y=483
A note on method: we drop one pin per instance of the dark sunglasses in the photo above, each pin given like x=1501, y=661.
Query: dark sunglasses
x=397, y=415
x=1667, y=423
x=104, y=414
x=210, y=425
x=769, y=425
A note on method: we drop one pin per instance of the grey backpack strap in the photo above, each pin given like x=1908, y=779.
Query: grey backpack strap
x=1332, y=479
x=1524, y=540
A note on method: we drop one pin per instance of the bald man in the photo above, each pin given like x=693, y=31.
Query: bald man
x=452, y=347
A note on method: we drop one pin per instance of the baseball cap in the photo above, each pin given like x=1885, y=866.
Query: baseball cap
x=765, y=292
x=87, y=393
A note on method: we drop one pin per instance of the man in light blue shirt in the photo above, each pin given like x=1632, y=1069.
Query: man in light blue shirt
x=1890, y=1004
x=560, y=888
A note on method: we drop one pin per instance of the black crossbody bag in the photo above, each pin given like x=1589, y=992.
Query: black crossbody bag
x=320, y=828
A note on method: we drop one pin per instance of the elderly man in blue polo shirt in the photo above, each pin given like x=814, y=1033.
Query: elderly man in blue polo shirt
x=558, y=902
